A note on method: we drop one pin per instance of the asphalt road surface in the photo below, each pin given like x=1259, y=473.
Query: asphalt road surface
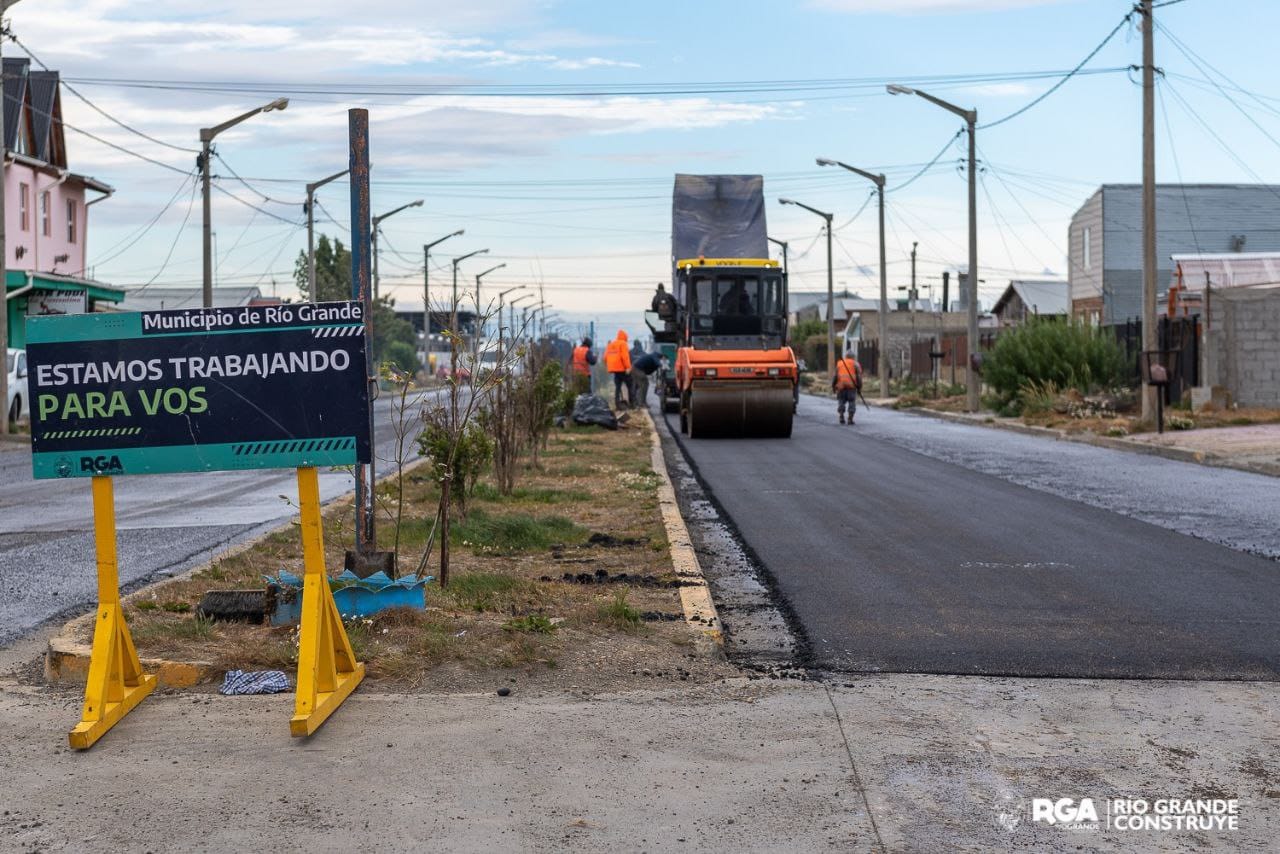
x=165, y=524
x=908, y=544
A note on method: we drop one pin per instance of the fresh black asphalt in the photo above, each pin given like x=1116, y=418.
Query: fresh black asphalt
x=894, y=561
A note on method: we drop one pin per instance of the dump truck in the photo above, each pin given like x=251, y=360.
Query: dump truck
x=726, y=312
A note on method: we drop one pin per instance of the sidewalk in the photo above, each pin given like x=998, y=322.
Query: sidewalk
x=1253, y=448
x=911, y=763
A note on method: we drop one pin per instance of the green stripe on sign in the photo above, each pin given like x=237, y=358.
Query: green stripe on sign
x=167, y=460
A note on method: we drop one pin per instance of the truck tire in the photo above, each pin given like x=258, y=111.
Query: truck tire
x=15, y=411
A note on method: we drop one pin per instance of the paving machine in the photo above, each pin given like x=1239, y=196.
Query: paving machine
x=726, y=312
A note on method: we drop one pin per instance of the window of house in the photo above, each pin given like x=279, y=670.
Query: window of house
x=71, y=220
x=44, y=214
x=24, y=207
x=1088, y=254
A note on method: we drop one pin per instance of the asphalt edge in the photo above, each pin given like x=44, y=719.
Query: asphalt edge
x=695, y=595
x=66, y=659
x=1114, y=443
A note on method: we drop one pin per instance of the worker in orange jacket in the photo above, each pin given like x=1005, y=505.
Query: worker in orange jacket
x=583, y=359
x=846, y=382
x=617, y=361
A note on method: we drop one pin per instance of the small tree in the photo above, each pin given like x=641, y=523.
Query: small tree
x=459, y=447
x=1053, y=353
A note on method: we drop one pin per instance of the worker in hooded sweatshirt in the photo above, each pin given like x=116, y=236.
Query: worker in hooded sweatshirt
x=583, y=359
x=845, y=383
x=617, y=361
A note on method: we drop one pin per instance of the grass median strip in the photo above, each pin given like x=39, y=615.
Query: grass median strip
x=565, y=582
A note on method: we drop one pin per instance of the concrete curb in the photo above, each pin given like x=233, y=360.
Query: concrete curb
x=1115, y=443
x=695, y=596
x=66, y=660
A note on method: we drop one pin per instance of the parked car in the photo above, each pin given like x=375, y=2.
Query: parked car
x=17, y=405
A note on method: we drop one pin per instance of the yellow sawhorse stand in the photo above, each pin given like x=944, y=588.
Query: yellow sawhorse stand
x=116, y=682
x=327, y=668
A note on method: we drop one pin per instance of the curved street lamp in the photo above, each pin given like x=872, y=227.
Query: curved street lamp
x=206, y=153
x=882, y=323
x=831, y=301
x=971, y=121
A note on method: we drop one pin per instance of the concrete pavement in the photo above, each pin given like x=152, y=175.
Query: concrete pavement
x=883, y=763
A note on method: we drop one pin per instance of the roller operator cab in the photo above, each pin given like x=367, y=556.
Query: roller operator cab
x=735, y=372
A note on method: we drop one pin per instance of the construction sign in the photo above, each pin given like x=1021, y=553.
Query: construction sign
x=252, y=387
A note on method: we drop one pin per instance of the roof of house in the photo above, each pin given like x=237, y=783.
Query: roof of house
x=159, y=298
x=1227, y=269
x=1043, y=296
x=37, y=93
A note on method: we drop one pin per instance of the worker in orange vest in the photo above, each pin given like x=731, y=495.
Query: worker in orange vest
x=583, y=359
x=617, y=361
x=845, y=383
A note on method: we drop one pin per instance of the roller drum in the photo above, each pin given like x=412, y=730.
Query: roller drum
x=740, y=409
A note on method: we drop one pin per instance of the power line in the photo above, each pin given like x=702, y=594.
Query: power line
x=137, y=234
x=927, y=166
x=98, y=109
x=1072, y=73
x=250, y=187
x=177, y=235
x=578, y=90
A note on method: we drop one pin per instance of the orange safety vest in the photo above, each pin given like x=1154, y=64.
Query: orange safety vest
x=580, y=364
x=847, y=372
x=617, y=358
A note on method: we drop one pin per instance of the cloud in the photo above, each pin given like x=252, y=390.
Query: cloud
x=925, y=7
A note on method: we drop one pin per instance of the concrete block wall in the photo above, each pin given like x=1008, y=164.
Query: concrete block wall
x=1242, y=350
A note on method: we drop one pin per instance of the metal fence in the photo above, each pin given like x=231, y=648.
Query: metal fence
x=869, y=357
x=1181, y=335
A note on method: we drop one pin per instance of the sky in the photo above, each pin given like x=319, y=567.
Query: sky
x=550, y=131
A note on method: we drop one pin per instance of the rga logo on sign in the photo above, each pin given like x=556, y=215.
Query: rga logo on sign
x=1067, y=813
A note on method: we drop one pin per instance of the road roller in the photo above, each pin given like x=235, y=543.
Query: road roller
x=727, y=311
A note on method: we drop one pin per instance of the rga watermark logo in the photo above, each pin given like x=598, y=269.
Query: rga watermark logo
x=1067, y=813
x=1127, y=815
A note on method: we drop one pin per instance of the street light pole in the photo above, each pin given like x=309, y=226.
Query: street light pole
x=377, y=222
x=783, y=244
x=511, y=313
x=426, y=281
x=502, y=295
x=206, y=152
x=310, y=207
x=480, y=276
x=882, y=322
x=831, y=301
x=971, y=123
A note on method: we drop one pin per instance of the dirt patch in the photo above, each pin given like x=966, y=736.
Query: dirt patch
x=565, y=583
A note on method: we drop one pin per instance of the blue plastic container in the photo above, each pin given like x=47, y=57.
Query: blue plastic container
x=354, y=596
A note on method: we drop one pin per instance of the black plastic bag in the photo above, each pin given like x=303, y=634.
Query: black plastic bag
x=592, y=409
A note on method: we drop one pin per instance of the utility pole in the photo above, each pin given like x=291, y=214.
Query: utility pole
x=915, y=295
x=4, y=258
x=310, y=208
x=358, y=134
x=1150, y=337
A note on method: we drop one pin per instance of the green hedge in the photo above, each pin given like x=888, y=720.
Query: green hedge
x=1064, y=354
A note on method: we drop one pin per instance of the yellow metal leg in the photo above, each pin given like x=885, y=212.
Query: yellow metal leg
x=116, y=682
x=327, y=668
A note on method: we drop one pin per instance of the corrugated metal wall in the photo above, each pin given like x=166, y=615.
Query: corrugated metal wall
x=1194, y=218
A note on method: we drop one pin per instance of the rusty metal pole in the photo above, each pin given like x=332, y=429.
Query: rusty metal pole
x=358, y=136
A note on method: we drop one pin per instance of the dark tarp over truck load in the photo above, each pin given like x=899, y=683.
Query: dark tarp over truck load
x=718, y=216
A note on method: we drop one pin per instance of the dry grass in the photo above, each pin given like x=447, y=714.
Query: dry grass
x=589, y=511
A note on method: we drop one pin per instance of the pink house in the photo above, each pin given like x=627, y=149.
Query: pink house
x=46, y=206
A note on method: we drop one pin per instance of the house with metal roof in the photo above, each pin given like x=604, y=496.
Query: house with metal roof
x=162, y=297
x=1105, y=238
x=1027, y=298
x=46, y=207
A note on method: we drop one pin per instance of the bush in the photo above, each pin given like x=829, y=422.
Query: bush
x=1052, y=354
